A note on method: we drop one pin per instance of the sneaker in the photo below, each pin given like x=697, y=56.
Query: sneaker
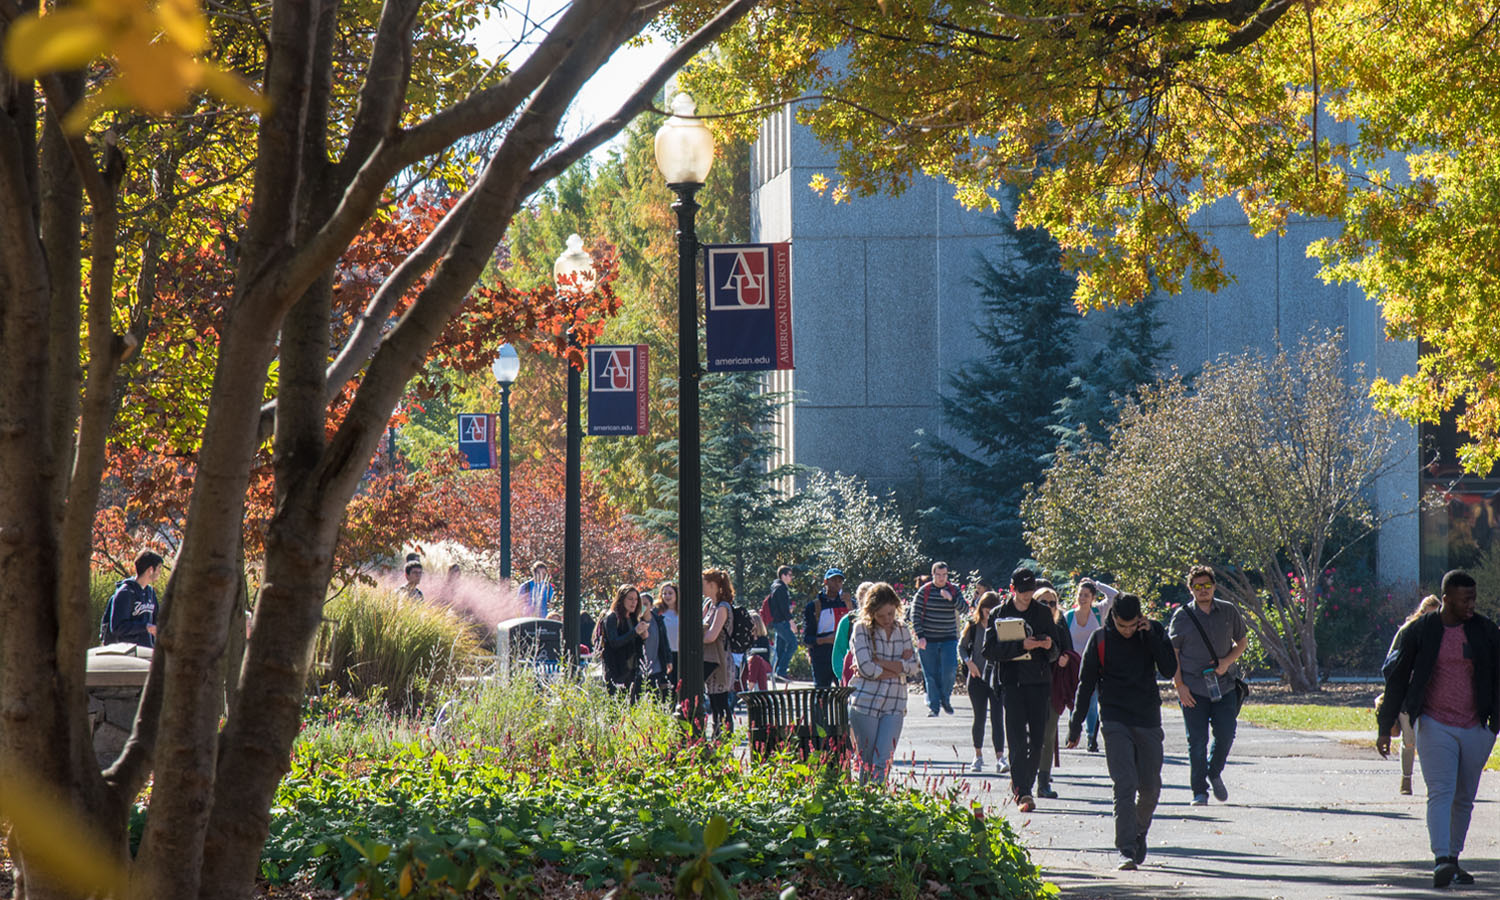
x=1140, y=849
x=1001, y=766
x=1221, y=793
x=1127, y=864
x=1459, y=875
x=1046, y=792
x=947, y=707
x=1406, y=784
x=1025, y=803
x=932, y=714
x=1443, y=872
x=978, y=765
x=1093, y=745
x=1200, y=800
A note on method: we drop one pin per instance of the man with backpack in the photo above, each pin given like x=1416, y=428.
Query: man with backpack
x=935, y=613
x=779, y=608
x=130, y=616
x=820, y=622
x=1121, y=661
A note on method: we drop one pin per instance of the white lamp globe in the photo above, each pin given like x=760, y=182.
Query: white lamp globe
x=574, y=270
x=684, y=145
x=507, y=365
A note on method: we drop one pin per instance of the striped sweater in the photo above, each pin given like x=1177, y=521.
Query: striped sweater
x=935, y=617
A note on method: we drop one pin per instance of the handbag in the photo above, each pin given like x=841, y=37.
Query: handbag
x=1241, y=689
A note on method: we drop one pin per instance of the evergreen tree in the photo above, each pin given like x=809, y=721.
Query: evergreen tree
x=749, y=525
x=1127, y=359
x=1001, y=406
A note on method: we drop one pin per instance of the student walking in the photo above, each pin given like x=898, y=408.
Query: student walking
x=783, y=641
x=1119, y=668
x=1429, y=604
x=1064, y=685
x=1444, y=674
x=1083, y=620
x=718, y=666
x=984, y=684
x=820, y=622
x=936, y=609
x=884, y=656
x=1208, y=634
x=130, y=615
x=1026, y=681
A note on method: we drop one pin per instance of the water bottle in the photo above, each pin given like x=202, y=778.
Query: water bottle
x=1211, y=675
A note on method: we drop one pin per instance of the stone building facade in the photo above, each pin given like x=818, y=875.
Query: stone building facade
x=885, y=306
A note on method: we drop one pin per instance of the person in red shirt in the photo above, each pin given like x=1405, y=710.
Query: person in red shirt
x=1444, y=673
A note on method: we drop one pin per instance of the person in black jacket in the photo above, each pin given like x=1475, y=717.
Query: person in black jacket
x=1121, y=661
x=1026, y=681
x=624, y=642
x=1444, y=673
x=984, y=685
x=820, y=620
x=783, y=641
x=130, y=616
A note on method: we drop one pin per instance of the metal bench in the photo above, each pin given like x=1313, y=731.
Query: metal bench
x=817, y=719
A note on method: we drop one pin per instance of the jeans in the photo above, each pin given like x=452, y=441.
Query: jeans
x=822, y=665
x=1452, y=760
x=1026, y=709
x=939, y=667
x=875, y=738
x=1134, y=757
x=987, y=705
x=784, y=647
x=1220, y=717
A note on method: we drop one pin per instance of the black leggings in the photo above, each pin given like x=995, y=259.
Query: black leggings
x=985, y=699
x=718, y=705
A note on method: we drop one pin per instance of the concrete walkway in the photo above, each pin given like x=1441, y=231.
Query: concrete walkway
x=1308, y=817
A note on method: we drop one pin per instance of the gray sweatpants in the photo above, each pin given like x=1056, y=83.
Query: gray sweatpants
x=1452, y=759
x=1134, y=757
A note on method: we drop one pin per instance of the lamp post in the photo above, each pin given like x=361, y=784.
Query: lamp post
x=506, y=367
x=684, y=154
x=574, y=275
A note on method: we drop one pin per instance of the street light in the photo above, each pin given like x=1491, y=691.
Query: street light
x=574, y=275
x=684, y=154
x=506, y=367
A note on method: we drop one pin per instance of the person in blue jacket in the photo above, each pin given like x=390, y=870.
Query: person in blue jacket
x=130, y=616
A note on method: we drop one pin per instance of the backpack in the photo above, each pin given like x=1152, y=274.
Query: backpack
x=742, y=635
x=765, y=611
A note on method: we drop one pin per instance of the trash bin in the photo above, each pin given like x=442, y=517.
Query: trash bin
x=817, y=719
x=528, y=642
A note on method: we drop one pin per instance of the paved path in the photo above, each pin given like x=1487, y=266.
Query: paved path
x=1308, y=817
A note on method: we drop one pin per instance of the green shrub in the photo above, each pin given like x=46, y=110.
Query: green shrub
x=403, y=649
x=431, y=824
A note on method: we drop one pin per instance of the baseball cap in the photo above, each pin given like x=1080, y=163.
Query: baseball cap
x=1023, y=579
x=833, y=573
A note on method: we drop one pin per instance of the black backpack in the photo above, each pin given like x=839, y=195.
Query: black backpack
x=743, y=633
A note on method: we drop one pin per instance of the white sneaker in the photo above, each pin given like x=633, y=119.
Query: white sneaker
x=1001, y=766
x=978, y=765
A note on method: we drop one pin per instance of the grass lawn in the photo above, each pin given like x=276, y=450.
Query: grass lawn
x=1309, y=717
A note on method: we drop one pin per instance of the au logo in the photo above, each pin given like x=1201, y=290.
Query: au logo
x=741, y=278
x=473, y=429
x=612, y=368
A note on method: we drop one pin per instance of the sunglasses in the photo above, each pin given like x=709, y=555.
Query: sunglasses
x=1204, y=586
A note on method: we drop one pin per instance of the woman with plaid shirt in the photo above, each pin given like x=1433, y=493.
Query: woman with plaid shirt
x=883, y=658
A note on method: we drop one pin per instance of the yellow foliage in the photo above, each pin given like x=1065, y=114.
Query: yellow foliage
x=55, y=842
x=154, y=47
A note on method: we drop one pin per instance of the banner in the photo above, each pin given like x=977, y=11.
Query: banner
x=748, y=289
x=618, y=378
x=476, y=439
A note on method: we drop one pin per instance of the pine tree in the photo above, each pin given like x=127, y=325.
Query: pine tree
x=1127, y=358
x=749, y=525
x=1001, y=406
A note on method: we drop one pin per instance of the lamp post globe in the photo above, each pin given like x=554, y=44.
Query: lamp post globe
x=684, y=154
x=684, y=145
x=506, y=367
x=574, y=276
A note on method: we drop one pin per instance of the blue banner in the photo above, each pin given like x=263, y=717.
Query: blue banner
x=618, y=379
x=476, y=439
x=748, y=316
